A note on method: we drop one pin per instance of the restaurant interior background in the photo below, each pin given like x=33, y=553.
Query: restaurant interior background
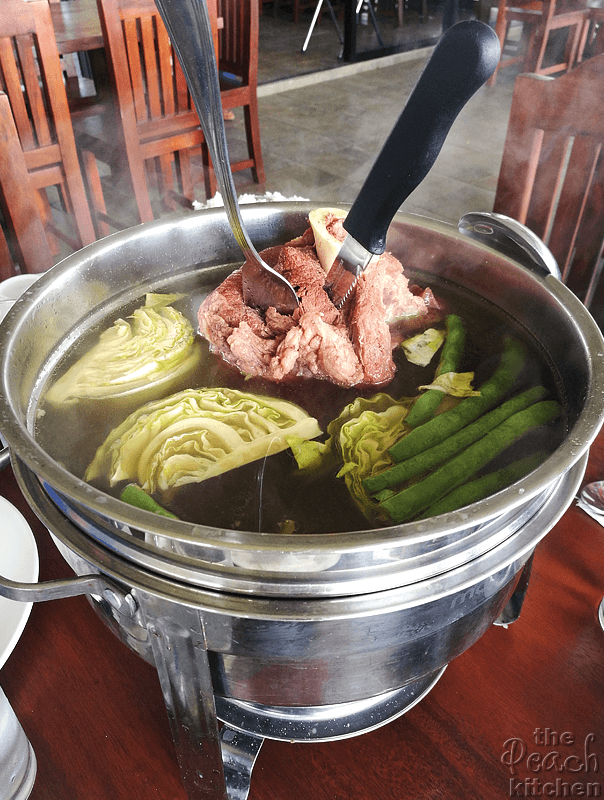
x=290, y=47
x=324, y=116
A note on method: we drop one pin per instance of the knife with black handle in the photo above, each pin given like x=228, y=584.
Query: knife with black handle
x=464, y=58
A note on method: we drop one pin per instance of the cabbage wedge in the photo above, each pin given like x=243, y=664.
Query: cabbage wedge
x=154, y=347
x=457, y=384
x=195, y=435
x=358, y=443
x=363, y=441
x=420, y=349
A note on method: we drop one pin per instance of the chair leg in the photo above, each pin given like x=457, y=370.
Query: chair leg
x=532, y=47
x=165, y=179
x=140, y=188
x=95, y=191
x=252, y=130
x=46, y=215
x=585, y=28
x=209, y=176
x=7, y=265
x=501, y=28
x=573, y=46
x=183, y=166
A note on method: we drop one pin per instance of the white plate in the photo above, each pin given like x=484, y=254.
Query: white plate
x=13, y=288
x=5, y=307
x=18, y=562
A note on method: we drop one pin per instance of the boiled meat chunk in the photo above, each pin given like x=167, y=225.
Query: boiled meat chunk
x=349, y=347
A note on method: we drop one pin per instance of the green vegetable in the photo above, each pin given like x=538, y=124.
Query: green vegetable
x=443, y=451
x=135, y=496
x=287, y=527
x=363, y=442
x=485, y=486
x=153, y=347
x=420, y=349
x=410, y=502
x=427, y=403
x=358, y=443
x=444, y=425
x=197, y=434
x=456, y=384
x=315, y=458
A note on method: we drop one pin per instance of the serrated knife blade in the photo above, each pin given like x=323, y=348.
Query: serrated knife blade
x=464, y=58
x=343, y=274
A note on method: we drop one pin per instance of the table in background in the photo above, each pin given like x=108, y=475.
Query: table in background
x=78, y=28
x=95, y=716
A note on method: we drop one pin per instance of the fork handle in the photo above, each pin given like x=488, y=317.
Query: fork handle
x=190, y=30
x=188, y=25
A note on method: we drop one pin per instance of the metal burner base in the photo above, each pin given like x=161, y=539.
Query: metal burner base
x=323, y=723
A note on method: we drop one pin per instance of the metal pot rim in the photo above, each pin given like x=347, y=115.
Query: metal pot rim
x=410, y=534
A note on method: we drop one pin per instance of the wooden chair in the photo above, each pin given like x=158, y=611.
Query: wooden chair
x=238, y=66
x=552, y=171
x=594, y=39
x=153, y=130
x=31, y=77
x=541, y=18
x=29, y=246
x=157, y=126
x=68, y=60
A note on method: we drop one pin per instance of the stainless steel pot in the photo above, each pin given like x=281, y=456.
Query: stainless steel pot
x=306, y=637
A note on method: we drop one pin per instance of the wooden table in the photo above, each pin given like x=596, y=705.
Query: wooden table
x=94, y=713
x=78, y=28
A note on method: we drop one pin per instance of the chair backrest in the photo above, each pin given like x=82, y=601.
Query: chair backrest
x=146, y=72
x=32, y=78
x=552, y=171
x=238, y=39
x=21, y=216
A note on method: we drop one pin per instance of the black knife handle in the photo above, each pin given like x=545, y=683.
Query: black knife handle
x=464, y=58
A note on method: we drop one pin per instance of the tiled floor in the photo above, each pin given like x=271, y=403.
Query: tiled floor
x=320, y=138
x=282, y=40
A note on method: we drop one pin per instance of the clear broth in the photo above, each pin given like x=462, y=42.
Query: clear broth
x=267, y=493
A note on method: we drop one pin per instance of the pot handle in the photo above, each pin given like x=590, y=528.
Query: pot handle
x=69, y=587
x=510, y=238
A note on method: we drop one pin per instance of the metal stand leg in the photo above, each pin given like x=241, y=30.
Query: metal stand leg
x=239, y=753
x=514, y=605
x=314, y=22
x=373, y=19
x=181, y=658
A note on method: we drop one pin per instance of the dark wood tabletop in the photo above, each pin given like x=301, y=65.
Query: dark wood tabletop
x=77, y=26
x=520, y=714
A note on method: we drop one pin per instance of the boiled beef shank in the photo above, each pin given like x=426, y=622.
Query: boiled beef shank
x=352, y=346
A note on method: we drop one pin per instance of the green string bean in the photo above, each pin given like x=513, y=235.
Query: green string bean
x=443, y=451
x=485, y=486
x=410, y=502
x=135, y=496
x=427, y=403
x=449, y=422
